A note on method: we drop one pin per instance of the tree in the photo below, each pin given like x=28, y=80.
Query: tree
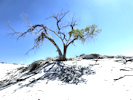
x=73, y=34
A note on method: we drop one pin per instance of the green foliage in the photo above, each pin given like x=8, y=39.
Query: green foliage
x=86, y=33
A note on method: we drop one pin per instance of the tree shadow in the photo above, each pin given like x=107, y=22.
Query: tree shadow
x=55, y=71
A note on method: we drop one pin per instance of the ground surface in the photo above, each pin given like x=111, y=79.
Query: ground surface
x=112, y=81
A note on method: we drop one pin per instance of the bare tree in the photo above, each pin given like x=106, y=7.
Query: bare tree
x=73, y=34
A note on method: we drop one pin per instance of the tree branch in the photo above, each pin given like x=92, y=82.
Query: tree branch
x=72, y=41
x=58, y=18
x=53, y=32
x=13, y=30
x=72, y=24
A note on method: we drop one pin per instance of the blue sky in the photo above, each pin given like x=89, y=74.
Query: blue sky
x=114, y=17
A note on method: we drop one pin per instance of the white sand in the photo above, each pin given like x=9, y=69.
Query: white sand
x=100, y=86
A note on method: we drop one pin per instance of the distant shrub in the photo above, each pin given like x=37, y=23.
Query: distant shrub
x=2, y=62
x=129, y=57
x=110, y=56
x=15, y=64
x=81, y=54
x=95, y=55
x=40, y=61
x=101, y=57
x=91, y=56
x=48, y=58
x=120, y=56
x=69, y=59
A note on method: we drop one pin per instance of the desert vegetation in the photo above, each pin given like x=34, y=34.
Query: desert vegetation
x=15, y=64
x=89, y=32
x=2, y=62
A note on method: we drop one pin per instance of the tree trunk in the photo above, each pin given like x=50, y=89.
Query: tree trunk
x=64, y=54
x=60, y=54
x=62, y=57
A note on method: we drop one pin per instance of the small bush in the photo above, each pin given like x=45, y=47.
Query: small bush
x=2, y=62
x=15, y=64
x=49, y=59
x=70, y=59
x=35, y=65
x=95, y=55
x=120, y=56
x=40, y=61
x=110, y=56
x=101, y=57
x=82, y=55
x=91, y=56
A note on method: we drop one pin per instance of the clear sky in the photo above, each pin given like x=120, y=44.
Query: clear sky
x=114, y=17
